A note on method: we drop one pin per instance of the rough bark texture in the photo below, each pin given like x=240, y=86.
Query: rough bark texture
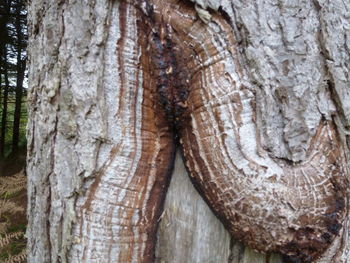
x=99, y=152
x=255, y=90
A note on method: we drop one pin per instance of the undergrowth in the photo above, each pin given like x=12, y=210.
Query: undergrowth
x=12, y=240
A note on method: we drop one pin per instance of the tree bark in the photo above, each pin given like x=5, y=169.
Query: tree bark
x=107, y=98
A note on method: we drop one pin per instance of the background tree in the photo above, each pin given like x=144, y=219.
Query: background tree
x=99, y=147
x=21, y=38
x=5, y=10
x=5, y=93
x=13, y=64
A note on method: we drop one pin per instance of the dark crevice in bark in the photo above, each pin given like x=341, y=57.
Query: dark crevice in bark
x=48, y=223
x=158, y=191
x=49, y=186
x=335, y=97
x=326, y=56
x=241, y=35
x=236, y=251
x=171, y=78
x=231, y=255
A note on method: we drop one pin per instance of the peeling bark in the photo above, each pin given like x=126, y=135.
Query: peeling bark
x=256, y=92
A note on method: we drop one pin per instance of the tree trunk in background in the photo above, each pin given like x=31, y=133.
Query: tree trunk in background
x=4, y=107
x=4, y=87
x=3, y=22
x=1, y=88
x=20, y=68
x=18, y=106
x=92, y=180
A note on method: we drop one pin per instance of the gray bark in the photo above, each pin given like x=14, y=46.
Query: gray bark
x=190, y=232
x=297, y=54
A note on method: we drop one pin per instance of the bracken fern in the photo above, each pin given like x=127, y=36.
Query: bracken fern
x=9, y=187
x=7, y=238
x=19, y=258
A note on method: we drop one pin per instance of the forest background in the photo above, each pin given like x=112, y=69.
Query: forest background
x=13, y=58
x=13, y=119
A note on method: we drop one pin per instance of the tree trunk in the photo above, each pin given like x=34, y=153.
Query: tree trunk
x=4, y=106
x=253, y=93
x=1, y=85
x=20, y=69
x=4, y=18
x=18, y=106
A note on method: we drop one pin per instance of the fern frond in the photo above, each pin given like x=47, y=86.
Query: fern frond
x=5, y=240
x=9, y=207
x=10, y=185
x=19, y=258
